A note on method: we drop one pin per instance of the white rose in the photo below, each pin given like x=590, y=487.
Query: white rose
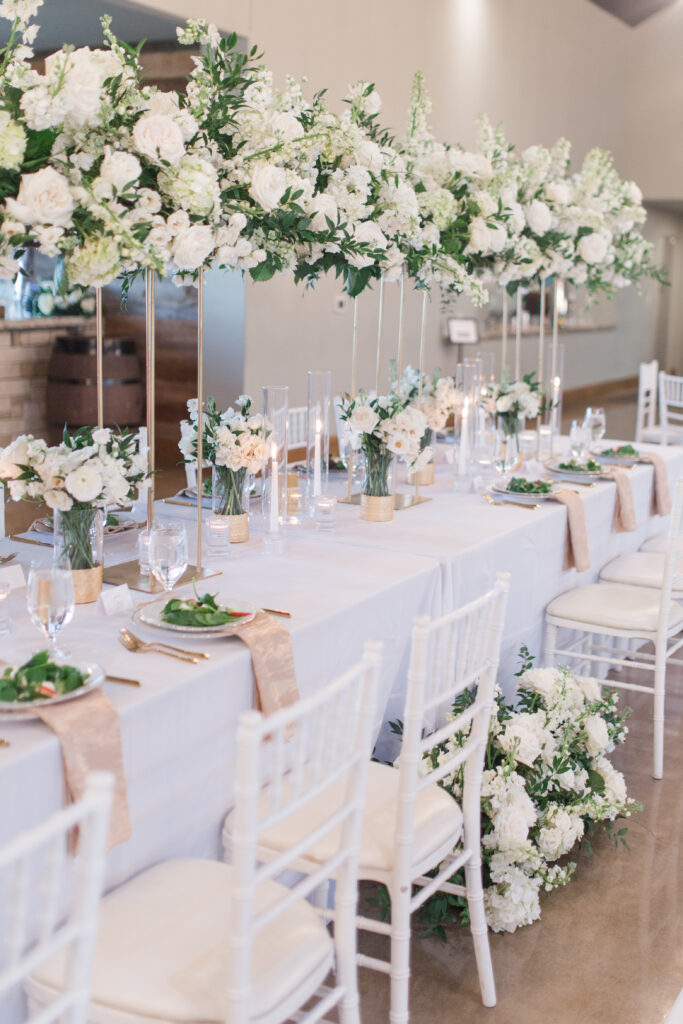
x=158, y=137
x=59, y=499
x=321, y=207
x=592, y=248
x=268, y=185
x=538, y=217
x=369, y=232
x=287, y=126
x=192, y=247
x=512, y=829
x=77, y=78
x=373, y=103
x=44, y=197
x=102, y=436
x=368, y=154
x=558, y=192
x=120, y=169
x=498, y=238
x=521, y=740
x=596, y=736
x=178, y=222
x=505, y=403
x=480, y=235
x=589, y=687
x=84, y=483
x=363, y=419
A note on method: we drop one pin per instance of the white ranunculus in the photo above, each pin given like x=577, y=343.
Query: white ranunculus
x=538, y=217
x=287, y=126
x=592, y=248
x=363, y=419
x=268, y=185
x=84, y=484
x=480, y=235
x=59, y=499
x=596, y=735
x=320, y=208
x=12, y=143
x=120, y=169
x=158, y=137
x=192, y=247
x=44, y=197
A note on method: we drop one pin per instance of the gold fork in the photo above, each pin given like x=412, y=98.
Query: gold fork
x=517, y=504
x=137, y=646
x=7, y=558
x=170, y=647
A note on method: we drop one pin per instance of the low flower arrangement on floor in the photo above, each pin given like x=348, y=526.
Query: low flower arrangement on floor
x=547, y=785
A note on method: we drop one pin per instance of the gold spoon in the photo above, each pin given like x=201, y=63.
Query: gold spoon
x=137, y=647
x=169, y=647
x=517, y=504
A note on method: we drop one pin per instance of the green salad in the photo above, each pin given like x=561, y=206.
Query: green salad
x=591, y=466
x=199, y=611
x=519, y=485
x=623, y=451
x=39, y=679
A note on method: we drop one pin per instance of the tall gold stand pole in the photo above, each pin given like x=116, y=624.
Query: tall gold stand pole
x=541, y=336
x=200, y=415
x=150, y=358
x=401, y=309
x=99, y=327
x=504, y=347
x=379, y=332
x=518, y=335
x=423, y=331
x=354, y=388
x=553, y=368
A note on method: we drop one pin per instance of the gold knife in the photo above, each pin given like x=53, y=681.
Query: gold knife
x=121, y=679
x=277, y=611
x=27, y=540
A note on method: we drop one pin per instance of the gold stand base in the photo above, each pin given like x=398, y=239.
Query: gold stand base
x=402, y=501
x=353, y=500
x=129, y=572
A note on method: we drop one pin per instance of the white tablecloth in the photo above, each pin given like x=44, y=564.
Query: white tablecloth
x=363, y=581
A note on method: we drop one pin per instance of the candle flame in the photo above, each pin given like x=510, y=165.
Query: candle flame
x=273, y=451
x=556, y=382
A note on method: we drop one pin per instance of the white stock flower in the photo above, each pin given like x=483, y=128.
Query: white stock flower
x=372, y=103
x=192, y=247
x=268, y=185
x=12, y=143
x=44, y=197
x=558, y=192
x=76, y=78
x=368, y=154
x=158, y=137
x=512, y=900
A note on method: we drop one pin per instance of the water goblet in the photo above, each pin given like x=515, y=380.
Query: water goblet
x=577, y=439
x=168, y=552
x=595, y=421
x=50, y=601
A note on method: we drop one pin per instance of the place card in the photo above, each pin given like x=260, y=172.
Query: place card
x=14, y=575
x=117, y=601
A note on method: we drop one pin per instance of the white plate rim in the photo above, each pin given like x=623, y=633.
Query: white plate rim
x=195, y=631
x=575, y=474
x=521, y=495
x=10, y=711
x=630, y=459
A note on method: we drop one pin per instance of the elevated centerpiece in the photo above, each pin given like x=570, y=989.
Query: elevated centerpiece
x=510, y=402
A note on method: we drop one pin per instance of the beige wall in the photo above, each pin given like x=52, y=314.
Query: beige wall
x=543, y=67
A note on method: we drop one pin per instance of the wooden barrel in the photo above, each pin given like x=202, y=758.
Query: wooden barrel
x=72, y=383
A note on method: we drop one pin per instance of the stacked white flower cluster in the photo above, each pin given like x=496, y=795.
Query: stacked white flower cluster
x=440, y=396
x=92, y=469
x=235, y=438
x=386, y=423
x=549, y=778
x=513, y=399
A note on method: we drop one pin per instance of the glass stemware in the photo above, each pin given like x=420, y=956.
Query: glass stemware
x=596, y=422
x=168, y=552
x=50, y=600
x=579, y=437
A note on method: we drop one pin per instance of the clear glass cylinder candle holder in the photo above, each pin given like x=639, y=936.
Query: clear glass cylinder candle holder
x=463, y=431
x=143, y=552
x=274, y=493
x=554, y=385
x=217, y=532
x=545, y=442
x=528, y=444
x=325, y=506
x=5, y=624
x=317, y=434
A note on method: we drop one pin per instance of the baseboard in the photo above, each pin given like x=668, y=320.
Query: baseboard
x=626, y=388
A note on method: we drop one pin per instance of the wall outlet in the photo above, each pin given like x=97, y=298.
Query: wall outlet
x=341, y=303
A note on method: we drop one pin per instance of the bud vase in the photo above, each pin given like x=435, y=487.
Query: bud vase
x=230, y=498
x=377, y=498
x=79, y=535
x=508, y=433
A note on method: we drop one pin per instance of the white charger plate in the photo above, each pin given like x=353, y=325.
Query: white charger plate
x=523, y=499
x=11, y=710
x=149, y=614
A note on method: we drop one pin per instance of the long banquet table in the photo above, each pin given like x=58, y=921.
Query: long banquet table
x=363, y=581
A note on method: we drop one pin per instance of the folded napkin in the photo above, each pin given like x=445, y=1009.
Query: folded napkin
x=89, y=733
x=661, y=496
x=576, y=553
x=270, y=646
x=624, y=513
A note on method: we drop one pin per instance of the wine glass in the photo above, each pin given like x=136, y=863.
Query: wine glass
x=50, y=601
x=578, y=439
x=596, y=422
x=168, y=552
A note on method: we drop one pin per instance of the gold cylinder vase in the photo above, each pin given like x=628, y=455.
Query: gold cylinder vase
x=87, y=584
x=424, y=477
x=239, y=528
x=377, y=509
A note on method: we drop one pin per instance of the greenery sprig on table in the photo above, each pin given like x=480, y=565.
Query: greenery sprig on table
x=199, y=611
x=520, y=485
x=626, y=451
x=39, y=679
x=590, y=466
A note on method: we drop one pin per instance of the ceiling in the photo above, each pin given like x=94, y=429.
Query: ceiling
x=633, y=11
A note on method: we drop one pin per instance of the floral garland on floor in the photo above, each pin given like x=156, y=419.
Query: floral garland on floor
x=547, y=785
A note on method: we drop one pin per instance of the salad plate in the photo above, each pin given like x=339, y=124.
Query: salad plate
x=624, y=454
x=178, y=615
x=526, y=492
x=43, y=682
x=576, y=472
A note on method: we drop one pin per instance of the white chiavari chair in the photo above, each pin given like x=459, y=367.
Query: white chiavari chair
x=646, y=416
x=296, y=427
x=412, y=825
x=671, y=408
x=34, y=875
x=198, y=940
x=626, y=612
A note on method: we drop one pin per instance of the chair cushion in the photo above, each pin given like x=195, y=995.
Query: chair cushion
x=438, y=820
x=162, y=947
x=615, y=606
x=640, y=569
x=653, y=435
x=660, y=542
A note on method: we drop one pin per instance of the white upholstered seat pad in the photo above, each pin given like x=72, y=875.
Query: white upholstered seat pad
x=654, y=434
x=437, y=817
x=162, y=946
x=660, y=543
x=640, y=568
x=613, y=605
